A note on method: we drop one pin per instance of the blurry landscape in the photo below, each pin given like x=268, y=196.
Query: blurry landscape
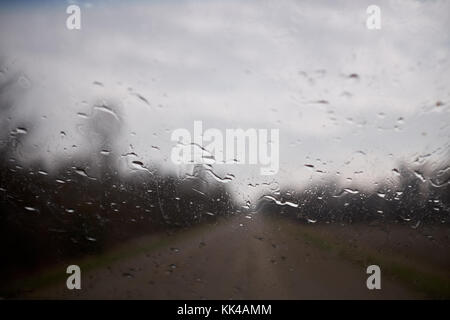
x=84, y=207
x=86, y=176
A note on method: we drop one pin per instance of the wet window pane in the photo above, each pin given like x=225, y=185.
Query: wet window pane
x=218, y=149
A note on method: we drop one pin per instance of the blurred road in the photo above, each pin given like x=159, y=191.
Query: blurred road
x=239, y=258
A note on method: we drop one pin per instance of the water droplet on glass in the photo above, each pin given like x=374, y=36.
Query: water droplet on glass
x=24, y=82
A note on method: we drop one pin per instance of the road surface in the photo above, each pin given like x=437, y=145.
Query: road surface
x=239, y=258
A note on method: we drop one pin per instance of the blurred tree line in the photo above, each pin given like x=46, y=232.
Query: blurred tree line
x=411, y=198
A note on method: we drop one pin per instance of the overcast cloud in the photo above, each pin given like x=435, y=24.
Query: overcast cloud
x=357, y=99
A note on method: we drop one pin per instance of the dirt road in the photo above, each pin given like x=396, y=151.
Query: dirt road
x=239, y=258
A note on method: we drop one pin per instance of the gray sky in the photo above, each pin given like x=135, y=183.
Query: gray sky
x=239, y=64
